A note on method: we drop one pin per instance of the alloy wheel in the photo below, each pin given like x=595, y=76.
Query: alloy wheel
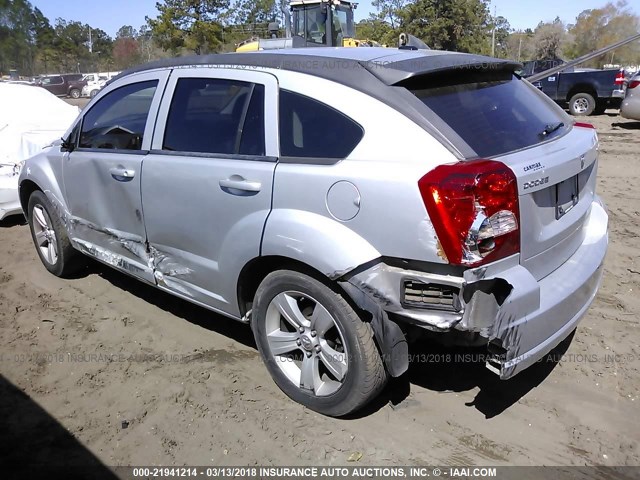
x=306, y=343
x=45, y=235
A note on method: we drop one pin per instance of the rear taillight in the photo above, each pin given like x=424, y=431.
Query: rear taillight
x=474, y=209
x=634, y=83
x=620, y=78
x=584, y=125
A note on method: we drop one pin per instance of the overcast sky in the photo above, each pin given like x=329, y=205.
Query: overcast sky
x=110, y=15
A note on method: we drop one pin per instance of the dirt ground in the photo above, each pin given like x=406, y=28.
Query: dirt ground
x=104, y=369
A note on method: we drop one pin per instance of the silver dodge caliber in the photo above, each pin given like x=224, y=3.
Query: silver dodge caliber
x=338, y=201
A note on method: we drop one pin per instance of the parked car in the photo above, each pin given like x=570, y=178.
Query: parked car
x=583, y=91
x=30, y=119
x=68, y=85
x=337, y=204
x=95, y=81
x=631, y=104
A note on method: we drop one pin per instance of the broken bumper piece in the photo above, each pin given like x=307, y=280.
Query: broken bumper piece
x=521, y=318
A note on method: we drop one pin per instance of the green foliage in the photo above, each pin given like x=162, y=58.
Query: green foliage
x=195, y=25
x=549, y=40
x=456, y=25
x=597, y=28
x=17, y=44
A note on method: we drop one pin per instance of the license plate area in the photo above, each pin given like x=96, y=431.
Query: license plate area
x=567, y=196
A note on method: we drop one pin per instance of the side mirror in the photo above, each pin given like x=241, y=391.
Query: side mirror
x=67, y=146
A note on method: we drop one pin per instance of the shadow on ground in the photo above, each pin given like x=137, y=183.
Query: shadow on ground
x=433, y=366
x=13, y=221
x=628, y=125
x=34, y=445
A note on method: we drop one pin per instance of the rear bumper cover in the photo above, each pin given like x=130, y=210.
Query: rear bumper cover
x=503, y=302
x=539, y=315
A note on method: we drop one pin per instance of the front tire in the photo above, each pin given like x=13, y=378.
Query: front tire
x=50, y=238
x=74, y=93
x=317, y=349
x=582, y=105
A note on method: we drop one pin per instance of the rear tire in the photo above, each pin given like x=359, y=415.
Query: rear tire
x=93, y=93
x=321, y=354
x=582, y=105
x=50, y=237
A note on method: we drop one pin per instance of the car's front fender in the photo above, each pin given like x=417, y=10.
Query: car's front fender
x=44, y=172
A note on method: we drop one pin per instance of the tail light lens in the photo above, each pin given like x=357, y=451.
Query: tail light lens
x=620, y=78
x=474, y=209
x=634, y=83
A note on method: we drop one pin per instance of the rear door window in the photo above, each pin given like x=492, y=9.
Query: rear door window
x=216, y=116
x=310, y=129
x=493, y=113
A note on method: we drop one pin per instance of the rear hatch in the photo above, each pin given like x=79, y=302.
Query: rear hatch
x=498, y=116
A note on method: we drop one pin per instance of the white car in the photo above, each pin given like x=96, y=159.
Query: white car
x=30, y=119
x=95, y=82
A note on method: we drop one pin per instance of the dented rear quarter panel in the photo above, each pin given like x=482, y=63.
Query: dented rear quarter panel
x=390, y=220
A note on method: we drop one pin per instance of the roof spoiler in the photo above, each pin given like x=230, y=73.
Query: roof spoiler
x=398, y=73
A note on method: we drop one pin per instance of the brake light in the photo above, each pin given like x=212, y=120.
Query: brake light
x=584, y=125
x=474, y=209
x=634, y=83
x=620, y=78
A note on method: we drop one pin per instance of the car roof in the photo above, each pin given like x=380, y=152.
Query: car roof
x=345, y=65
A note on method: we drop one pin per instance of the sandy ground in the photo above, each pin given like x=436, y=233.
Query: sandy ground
x=104, y=369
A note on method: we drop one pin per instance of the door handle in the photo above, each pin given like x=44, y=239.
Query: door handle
x=239, y=183
x=122, y=174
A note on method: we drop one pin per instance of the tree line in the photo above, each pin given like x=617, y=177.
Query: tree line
x=33, y=44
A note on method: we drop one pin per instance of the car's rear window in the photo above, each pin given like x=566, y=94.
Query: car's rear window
x=493, y=113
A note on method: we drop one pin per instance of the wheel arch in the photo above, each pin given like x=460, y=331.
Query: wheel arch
x=27, y=187
x=582, y=88
x=257, y=269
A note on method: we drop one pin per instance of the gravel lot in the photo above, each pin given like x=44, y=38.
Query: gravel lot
x=103, y=369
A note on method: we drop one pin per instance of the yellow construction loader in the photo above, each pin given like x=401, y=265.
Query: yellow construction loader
x=312, y=23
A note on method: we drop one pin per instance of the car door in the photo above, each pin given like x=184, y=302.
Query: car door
x=102, y=173
x=54, y=84
x=207, y=183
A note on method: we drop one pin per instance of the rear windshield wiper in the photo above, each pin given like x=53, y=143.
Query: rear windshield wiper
x=552, y=127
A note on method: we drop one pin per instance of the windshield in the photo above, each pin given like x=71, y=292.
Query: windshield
x=494, y=116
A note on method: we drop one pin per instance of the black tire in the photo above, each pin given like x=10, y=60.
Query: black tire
x=365, y=375
x=68, y=259
x=93, y=93
x=74, y=93
x=582, y=105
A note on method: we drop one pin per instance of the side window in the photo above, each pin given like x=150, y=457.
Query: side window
x=311, y=129
x=52, y=81
x=118, y=120
x=216, y=116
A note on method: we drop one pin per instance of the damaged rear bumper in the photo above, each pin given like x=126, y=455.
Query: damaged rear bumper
x=521, y=318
